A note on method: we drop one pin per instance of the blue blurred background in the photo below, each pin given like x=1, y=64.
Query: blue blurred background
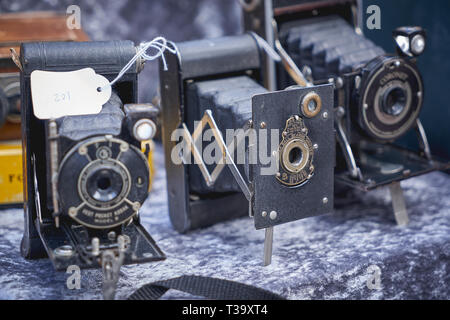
x=141, y=20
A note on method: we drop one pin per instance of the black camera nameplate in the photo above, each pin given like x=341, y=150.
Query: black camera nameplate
x=315, y=197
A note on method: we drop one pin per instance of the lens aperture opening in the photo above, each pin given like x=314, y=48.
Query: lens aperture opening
x=104, y=184
x=394, y=101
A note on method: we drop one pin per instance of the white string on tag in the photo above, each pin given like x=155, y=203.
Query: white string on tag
x=161, y=44
x=267, y=48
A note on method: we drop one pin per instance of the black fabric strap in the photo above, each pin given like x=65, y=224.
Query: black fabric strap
x=211, y=288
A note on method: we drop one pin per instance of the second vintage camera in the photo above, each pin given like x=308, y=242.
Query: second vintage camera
x=217, y=85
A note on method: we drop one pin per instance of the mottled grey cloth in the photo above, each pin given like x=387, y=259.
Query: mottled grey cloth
x=324, y=257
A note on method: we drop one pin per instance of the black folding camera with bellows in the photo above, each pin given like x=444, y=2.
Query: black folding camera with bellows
x=87, y=175
x=378, y=95
x=219, y=86
x=382, y=93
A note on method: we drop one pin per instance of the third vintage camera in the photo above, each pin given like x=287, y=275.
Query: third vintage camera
x=378, y=95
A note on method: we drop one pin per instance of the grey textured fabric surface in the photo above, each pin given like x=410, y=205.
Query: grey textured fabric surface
x=328, y=257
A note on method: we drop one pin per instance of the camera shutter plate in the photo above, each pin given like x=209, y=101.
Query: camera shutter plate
x=105, y=184
x=296, y=154
x=304, y=198
x=391, y=98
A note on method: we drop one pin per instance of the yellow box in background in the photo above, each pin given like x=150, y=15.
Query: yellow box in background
x=11, y=184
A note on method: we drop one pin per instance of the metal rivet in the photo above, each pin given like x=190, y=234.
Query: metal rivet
x=72, y=212
x=273, y=215
x=339, y=83
x=262, y=125
x=340, y=112
x=307, y=71
x=316, y=146
x=264, y=214
x=124, y=147
x=112, y=235
x=325, y=115
x=82, y=150
x=64, y=251
x=136, y=206
x=325, y=200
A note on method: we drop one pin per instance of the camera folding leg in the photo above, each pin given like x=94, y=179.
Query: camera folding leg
x=111, y=268
x=398, y=163
x=399, y=204
x=268, y=244
x=398, y=199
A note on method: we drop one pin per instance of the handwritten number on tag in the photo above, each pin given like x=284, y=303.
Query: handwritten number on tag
x=61, y=97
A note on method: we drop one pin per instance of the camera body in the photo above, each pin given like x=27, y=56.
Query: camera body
x=219, y=86
x=378, y=95
x=86, y=176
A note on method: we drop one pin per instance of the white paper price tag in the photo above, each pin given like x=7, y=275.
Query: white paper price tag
x=59, y=94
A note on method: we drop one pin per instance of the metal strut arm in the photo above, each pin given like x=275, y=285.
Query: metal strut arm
x=354, y=170
x=226, y=160
x=423, y=140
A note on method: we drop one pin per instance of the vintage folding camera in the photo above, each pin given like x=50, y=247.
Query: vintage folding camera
x=378, y=95
x=87, y=176
x=216, y=85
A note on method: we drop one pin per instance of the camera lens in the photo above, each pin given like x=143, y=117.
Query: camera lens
x=394, y=101
x=104, y=184
x=296, y=156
